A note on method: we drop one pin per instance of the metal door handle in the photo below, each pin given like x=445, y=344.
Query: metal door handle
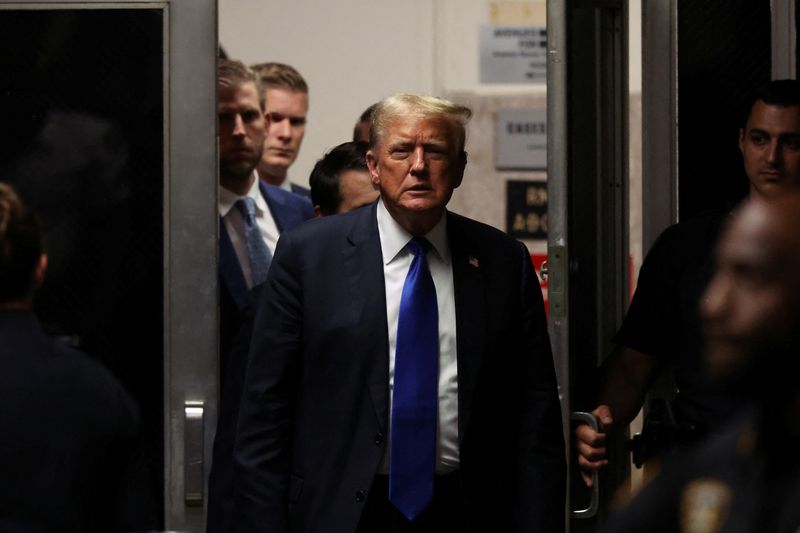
x=193, y=454
x=594, y=501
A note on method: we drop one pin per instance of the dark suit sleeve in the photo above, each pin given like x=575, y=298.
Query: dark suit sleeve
x=261, y=451
x=220, y=479
x=540, y=447
x=306, y=207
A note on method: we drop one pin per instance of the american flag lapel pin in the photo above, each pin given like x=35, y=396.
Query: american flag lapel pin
x=473, y=261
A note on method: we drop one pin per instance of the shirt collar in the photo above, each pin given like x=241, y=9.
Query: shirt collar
x=227, y=199
x=394, y=237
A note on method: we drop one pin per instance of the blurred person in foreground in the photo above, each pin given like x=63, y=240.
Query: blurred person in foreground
x=746, y=478
x=67, y=428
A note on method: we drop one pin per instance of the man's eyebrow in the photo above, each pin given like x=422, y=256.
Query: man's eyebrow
x=436, y=142
x=399, y=142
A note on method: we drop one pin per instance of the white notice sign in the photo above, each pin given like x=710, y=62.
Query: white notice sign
x=513, y=54
x=521, y=139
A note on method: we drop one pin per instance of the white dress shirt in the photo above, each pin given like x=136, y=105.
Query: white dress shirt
x=235, y=224
x=396, y=263
x=286, y=185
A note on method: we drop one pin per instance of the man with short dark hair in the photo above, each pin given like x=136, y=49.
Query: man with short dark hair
x=362, y=127
x=340, y=181
x=400, y=374
x=746, y=478
x=68, y=429
x=252, y=216
x=662, y=325
x=284, y=96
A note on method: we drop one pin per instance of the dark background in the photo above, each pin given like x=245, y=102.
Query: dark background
x=82, y=141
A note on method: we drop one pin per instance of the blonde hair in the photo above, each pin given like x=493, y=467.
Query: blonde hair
x=278, y=76
x=418, y=106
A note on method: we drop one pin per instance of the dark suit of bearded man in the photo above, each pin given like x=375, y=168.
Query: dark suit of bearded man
x=312, y=444
x=252, y=216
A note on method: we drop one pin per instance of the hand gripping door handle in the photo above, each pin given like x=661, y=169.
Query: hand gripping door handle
x=594, y=501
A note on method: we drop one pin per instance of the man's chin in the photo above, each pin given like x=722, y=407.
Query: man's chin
x=276, y=166
x=237, y=171
x=420, y=205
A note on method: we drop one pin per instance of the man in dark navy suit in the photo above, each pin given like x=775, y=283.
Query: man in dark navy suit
x=67, y=427
x=252, y=216
x=400, y=374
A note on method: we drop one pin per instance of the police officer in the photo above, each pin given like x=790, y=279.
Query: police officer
x=662, y=326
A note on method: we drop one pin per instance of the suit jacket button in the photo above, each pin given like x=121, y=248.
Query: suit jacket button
x=378, y=439
x=361, y=496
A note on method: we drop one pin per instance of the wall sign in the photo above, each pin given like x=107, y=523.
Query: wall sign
x=513, y=54
x=526, y=202
x=521, y=139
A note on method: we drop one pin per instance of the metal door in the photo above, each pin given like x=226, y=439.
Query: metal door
x=693, y=81
x=109, y=109
x=587, y=161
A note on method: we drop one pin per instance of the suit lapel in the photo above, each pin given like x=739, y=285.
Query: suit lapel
x=276, y=204
x=470, y=299
x=229, y=269
x=364, y=270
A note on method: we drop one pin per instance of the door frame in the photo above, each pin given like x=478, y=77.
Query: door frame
x=190, y=221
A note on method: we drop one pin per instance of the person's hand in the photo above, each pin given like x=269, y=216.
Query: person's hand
x=591, y=444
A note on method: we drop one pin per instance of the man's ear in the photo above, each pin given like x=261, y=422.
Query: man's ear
x=372, y=165
x=317, y=211
x=461, y=165
x=39, y=271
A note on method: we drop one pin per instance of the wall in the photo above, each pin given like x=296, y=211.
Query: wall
x=351, y=52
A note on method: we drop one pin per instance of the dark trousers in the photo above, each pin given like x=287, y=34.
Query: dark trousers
x=443, y=515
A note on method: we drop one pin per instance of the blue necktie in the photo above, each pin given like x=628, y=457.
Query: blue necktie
x=415, y=397
x=257, y=250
